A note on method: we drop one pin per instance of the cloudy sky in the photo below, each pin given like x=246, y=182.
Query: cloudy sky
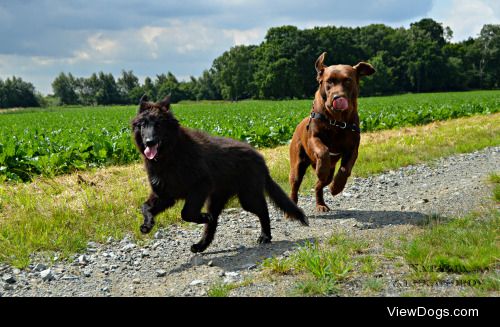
x=40, y=38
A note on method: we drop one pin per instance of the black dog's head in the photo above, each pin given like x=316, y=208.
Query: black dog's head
x=154, y=128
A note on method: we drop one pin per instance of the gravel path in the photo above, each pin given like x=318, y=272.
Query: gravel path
x=373, y=208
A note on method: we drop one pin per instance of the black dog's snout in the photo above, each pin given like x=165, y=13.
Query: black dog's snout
x=150, y=142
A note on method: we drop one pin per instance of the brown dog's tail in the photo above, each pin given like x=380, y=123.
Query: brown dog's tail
x=279, y=197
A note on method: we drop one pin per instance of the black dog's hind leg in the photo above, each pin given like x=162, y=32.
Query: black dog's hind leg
x=153, y=206
x=216, y=203
x=256, y=204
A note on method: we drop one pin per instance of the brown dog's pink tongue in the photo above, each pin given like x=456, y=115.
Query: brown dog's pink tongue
x=150, y=153
x=340, y=104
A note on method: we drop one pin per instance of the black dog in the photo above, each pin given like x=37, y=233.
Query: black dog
x=186, y=164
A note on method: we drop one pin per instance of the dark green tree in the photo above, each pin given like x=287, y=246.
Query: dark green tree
x=129, y=87
x=233, y=73
x=64, y=87
x=14, y=92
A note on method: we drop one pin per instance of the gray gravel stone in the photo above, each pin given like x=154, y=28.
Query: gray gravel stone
x=47, y=275
x=39, y=267
x=161, y=273
x=8, y=278
x=197, y=282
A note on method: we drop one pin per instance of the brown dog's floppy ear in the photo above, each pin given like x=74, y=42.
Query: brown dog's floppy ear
x=165, y=103
x=142, y=103
x=364, y=69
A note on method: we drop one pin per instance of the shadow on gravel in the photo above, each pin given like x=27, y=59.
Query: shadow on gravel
x=374, y=219
x=242, y=258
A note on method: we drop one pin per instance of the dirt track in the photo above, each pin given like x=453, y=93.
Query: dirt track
x=377, y=208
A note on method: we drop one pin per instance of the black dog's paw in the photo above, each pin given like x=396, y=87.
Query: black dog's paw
x=263, y=239
x=146, y=228
x=197, y=248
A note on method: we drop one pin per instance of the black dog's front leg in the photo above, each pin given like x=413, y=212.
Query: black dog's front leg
x=194, y=203
x=153, y=206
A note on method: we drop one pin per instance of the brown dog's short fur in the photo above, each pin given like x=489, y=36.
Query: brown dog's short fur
x=331, y=135
x=186, y=164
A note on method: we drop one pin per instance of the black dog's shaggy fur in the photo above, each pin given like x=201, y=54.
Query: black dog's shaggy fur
x=186, y=164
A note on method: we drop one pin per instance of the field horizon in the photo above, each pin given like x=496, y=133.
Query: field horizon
x=43, y=141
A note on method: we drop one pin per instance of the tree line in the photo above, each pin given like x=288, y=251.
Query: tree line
x=420, y=58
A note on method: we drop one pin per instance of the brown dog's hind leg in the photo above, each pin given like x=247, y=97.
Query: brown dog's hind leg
x=297, y=173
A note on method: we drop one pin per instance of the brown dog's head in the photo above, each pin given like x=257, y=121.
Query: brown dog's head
x=339, y=86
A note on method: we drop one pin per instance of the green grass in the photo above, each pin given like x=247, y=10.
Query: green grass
x=316, y=287
x=374, y=285
x=481, y=281
x=463, y=245
x=220, y=289
x=324, y=266
x=61, y=214
x=57, y=140
x=495, y=180
x=368, y=264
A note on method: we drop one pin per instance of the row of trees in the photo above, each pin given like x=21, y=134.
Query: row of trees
x=420, y=58
x=14, y=92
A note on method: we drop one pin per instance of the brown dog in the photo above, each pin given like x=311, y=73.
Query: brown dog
x=331, y=132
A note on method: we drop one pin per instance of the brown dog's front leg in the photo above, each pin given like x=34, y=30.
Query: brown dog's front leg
x=323, y=171
x=343, y=173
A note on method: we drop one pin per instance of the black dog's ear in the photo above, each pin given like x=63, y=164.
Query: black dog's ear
x=165, y=103
x=364, y=69
x=142, y=103
x=320, y=67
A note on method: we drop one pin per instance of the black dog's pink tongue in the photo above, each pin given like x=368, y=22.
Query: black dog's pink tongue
x=340, y=104
x=150, y=153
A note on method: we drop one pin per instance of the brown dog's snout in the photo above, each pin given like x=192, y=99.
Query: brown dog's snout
x=340, y=102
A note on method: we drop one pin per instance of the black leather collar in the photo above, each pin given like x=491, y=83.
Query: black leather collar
x=339, y=124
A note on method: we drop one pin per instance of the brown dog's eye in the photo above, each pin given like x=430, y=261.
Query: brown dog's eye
x=347, y=82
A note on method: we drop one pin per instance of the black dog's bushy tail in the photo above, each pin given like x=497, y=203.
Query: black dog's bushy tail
x=279, y=197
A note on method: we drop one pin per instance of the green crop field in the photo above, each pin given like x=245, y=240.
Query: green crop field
x=56, y=140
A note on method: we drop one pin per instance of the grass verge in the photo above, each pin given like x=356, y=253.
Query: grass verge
x=64, y=213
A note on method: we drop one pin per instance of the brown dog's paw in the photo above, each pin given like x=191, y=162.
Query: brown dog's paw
x=322, y=208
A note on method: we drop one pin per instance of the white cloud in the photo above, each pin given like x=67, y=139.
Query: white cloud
x=102, y=45
x=467, y=17
x=245, y=37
